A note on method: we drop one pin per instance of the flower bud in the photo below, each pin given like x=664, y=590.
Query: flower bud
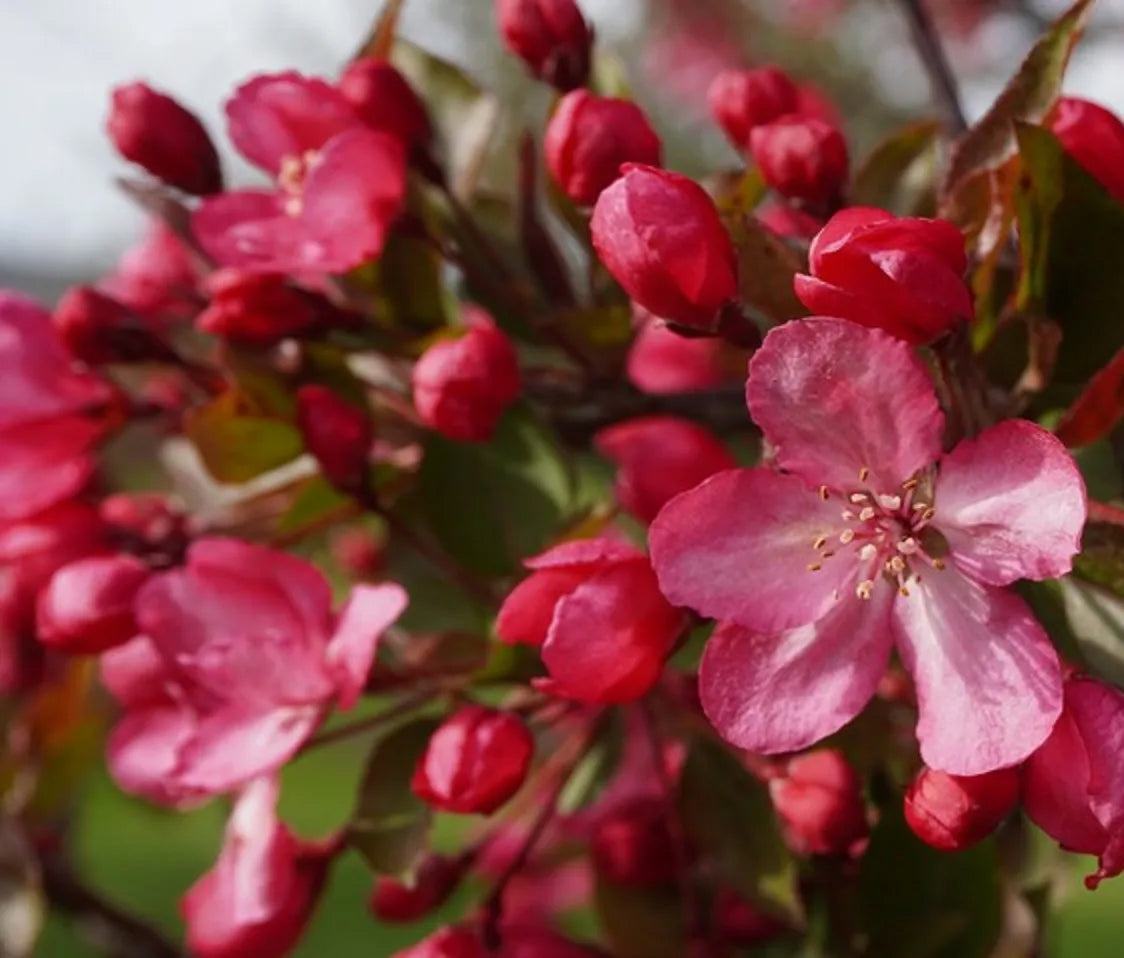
x=1094, y=137
x=633, y=845
x=743, y=99
x=97, y=329
x=454, y=941
x=463, y=386
x=155, y=132
x=659, y=457
x=550, y=36
x=143, y=522
x=661, y=237
x=384, y=100
x=259, y=309
x=819, y=799
x=590, y=137
x=87, y=607
x=740, y=923
x=394, y=901
x=475, y=761
x=358, y=553
x=951, y=812
x=337, y=433
x=903, y=275
x=802, y=158
x=595, y=608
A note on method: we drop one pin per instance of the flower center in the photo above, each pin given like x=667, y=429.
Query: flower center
x=290, y=177
x=888, y=534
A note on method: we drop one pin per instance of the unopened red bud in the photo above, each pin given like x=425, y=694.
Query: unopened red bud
x=337, y=433
x=384, y=100
x=98, y=329
x=633, y=845
x=456, y=941
x=951, y=812
x=394, y=900
x=819, y=799
x=463, y=386
x=590, y=137
x=661, y=237
x=87, y=607
x=358, y=553
x=259, y=309
x=476, y=760
x=550, y=36
x=155, y=132
x=743, y=99
x=142, y=517
x=802, y=158
x=740, y=923
x=1094, y=137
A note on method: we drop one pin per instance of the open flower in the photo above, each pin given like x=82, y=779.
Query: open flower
x=340, y=184
x=239, y=661
x=864, y=539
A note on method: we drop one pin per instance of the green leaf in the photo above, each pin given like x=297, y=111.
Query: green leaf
x=315, y=501
x=728, y=814
x=237, y=446
x=390, y=825
x=408, y=277
x=1072, y=241
x=917, y=902
x=640, y=922
x=492, y=504
x=900, y=173
x=1027, y=98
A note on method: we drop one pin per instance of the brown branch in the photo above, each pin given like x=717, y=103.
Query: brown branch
x=117, y=933
x=927, y=42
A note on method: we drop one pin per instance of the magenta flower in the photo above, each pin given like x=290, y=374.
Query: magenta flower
x=51, y=412
x=865, y=538
x=239, y=661
x=340, y=185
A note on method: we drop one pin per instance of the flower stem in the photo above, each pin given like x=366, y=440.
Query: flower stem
x=371, y=722
x=927, y=42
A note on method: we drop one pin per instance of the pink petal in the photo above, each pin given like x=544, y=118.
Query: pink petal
x=840, y=228
x=135, y=673
x=835, y=399
x=988, y=681
x=143, y=753
x=229, y=747
x=352, y=195
x=271, y=118
x=610, y=636
x=36, y=475
x=1056, y=790
x=781, y=693
x=740, y=545
x=528, y=610
x=1011, y=504
x=1098, y=711
x=368, y=613
x=584, y=552
x=249, y=229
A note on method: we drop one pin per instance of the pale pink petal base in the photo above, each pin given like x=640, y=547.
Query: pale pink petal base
x=781, y=693
x=989, y=685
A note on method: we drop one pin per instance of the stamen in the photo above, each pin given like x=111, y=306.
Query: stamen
x=908, y=546
x=826, y=554
x=814, y=566
x=928, y=514
x=910, y=484
x=824, y=494
x=835, y=595
x=865, y=589
x=863, y=474
x=819, y=543
x=846, y=536
x=869, y=551
x=920, y=506
x=903, y=592
x=866, y=514
x=896, y=565
x=938, y=564
x=890, y=502
x=858, y=498
x=848, y=515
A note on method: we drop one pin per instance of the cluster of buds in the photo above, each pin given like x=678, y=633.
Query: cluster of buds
x=619, y=626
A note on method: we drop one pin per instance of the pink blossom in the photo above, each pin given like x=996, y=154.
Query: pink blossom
x=156, y=277
x=257, y=899
x=865, y=539
x=51, y=412
x=1073, y=786
x=239, y=659
x=340, y=185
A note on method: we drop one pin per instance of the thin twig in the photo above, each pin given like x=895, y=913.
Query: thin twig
x=927, y=41
x=371, y=722
x=117, y=933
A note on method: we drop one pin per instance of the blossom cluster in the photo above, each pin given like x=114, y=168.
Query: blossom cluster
x=811, y=590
